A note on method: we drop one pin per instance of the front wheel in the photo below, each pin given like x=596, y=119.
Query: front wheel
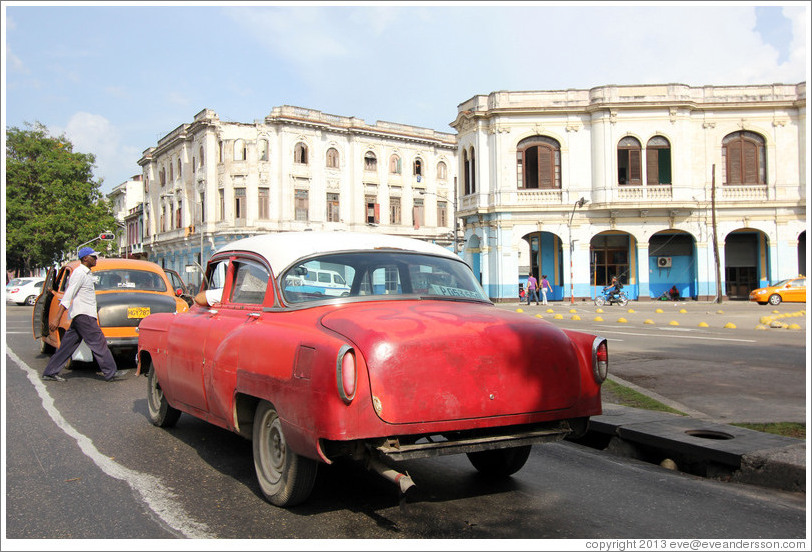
x=160, y=413
x=45, y=348
x=286, y=479
x=600, y=301
x=775, y=299
x=500, y=462
x=622, y=300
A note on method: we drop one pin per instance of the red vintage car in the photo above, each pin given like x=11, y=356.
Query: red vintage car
x=413, y=361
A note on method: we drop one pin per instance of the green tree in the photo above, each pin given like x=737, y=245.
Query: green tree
x=53, y=204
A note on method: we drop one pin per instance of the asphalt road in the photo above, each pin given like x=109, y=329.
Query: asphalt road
x=693, y=362
x=83, y=462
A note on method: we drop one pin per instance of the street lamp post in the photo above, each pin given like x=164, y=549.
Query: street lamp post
x=580, y=203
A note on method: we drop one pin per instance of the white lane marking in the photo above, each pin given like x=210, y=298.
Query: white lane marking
x=157, y=497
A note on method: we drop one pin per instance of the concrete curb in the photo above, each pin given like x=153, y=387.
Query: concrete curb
x=702, y=447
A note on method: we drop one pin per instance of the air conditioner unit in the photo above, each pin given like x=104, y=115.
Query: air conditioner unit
x=664, y=262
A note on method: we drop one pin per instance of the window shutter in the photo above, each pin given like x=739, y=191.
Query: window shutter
x=377, y=213
x=734, y=163
x=546, y=166
x=750, y=161
x=634, y=167
x=652, y=167
x=664, y=163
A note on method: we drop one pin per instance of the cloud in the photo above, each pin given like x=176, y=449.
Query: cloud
x=91, y=133
x=14, y=63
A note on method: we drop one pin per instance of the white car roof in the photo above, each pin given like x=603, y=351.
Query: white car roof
x=283, y=249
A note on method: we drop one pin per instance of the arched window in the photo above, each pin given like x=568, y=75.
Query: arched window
x=394, y=164
x=418, y=167
x=629, y=171
x=300, y=153
x=162, y=176
x=658, y=161
x=469, y=171
x=332, y=158
x=262, y=149
x=370, y=161
x=171, y=172
x=538, y=163
x=239, y=150
x=442, y=171
x=180, y=170
x=744, y=159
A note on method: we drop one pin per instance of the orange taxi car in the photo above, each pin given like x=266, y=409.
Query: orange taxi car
x=127, y=290
x=791, y=290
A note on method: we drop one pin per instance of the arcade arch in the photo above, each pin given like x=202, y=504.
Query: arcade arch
x=613, y=253
x=746, y=262
x=672, y=261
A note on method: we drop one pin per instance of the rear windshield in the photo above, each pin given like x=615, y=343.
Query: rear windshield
x=128, y=280
x=380, y=275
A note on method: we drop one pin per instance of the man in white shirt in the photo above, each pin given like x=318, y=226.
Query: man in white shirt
x=79, y=301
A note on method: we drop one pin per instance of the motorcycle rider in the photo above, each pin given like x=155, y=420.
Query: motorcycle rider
x=615, y=286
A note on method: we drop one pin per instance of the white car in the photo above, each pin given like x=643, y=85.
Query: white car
x=24, y=291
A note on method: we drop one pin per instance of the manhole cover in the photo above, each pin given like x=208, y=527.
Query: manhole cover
x=709, y=434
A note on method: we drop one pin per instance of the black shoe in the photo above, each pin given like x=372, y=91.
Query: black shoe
x=53, y=377
x=118, y=376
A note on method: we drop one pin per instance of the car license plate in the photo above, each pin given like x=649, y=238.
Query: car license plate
x=137, y=312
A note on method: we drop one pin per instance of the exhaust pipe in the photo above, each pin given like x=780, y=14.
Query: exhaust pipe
x=403, y=481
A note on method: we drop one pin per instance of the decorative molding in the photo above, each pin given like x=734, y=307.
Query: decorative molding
x=779, y=122
x=672, y=114
x=708, y=124
x=613, y=116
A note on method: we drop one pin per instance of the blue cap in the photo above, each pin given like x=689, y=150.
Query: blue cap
x=85, y=251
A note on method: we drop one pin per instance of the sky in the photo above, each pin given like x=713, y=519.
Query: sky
x=115, y=77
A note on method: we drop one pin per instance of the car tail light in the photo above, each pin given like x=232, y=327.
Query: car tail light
x=346, y=373
x=14, y=290
x=600, y=359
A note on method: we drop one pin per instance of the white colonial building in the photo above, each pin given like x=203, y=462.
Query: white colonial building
x=209, y=182
x=635, y=181
x=128, y=202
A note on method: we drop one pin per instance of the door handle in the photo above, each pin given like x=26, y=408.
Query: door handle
x=254, y=315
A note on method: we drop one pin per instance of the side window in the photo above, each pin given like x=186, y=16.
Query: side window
x=250, y=283
x=216, y=281
x=63, y=279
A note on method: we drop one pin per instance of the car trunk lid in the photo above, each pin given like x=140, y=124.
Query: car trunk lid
x=429, y=361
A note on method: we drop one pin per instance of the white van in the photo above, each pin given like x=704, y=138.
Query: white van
x=328, y=282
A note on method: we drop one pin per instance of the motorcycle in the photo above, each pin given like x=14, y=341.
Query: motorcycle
x=610, y=296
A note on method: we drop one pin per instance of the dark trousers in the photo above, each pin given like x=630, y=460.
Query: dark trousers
x=85, y=328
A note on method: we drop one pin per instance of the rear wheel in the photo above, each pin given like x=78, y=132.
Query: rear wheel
x=31, y=300
x=286, y=479
x=622, y=300
x=775, y=299
x=500, y=462
x=160, y=413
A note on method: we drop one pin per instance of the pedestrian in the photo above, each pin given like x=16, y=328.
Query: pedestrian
x=545, y=285
x=79, y=301
x=532, y=289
